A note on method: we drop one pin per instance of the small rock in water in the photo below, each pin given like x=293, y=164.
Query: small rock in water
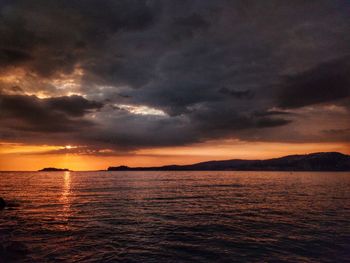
x=2, y=203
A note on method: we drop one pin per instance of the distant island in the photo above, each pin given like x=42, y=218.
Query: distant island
x=52, y=169
x=322, y=161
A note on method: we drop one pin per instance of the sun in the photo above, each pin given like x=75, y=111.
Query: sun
x=68, y=147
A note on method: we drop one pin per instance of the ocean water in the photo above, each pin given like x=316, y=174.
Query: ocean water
x=175, y=217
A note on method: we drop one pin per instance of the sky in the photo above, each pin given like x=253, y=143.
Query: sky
x=97, y=83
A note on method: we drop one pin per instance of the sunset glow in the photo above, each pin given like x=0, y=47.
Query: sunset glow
x=174, y=131
x=171, y=91
x=35, y=157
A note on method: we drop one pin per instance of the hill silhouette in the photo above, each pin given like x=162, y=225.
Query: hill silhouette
x=322, y=161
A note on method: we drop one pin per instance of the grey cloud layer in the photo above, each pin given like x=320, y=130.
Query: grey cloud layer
x=61, y=114
x=217, y=69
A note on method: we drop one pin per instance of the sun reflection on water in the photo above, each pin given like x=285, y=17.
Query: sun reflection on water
x=65, y=197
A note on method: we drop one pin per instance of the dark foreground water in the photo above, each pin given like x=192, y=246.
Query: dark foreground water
x=175, y=217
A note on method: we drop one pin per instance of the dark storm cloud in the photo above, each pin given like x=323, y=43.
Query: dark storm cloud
x=58, y=34
x=74, y=106
x=13, y=56
x=29, y=113
x=212, y=68
x=239, y=94
x=193, y=21
x=272, y=113
x=208, y=121
x=327, y=82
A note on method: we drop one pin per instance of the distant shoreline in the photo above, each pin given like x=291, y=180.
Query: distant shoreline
x=314, y=162
x=52, y=169
x=323, y=161
x=150, y=170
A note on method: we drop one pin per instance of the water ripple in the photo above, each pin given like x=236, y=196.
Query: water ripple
x=175, y=217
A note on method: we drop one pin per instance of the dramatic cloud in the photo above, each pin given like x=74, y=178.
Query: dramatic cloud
x=29, y=113
x=326, y=83
x=129, y=74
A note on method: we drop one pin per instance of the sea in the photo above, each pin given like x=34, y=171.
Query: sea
x=175, y=216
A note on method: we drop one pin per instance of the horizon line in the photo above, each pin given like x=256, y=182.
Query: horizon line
x=136, y=167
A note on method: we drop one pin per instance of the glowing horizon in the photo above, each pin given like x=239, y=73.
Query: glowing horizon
x=88, y=90
x=33, y=158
